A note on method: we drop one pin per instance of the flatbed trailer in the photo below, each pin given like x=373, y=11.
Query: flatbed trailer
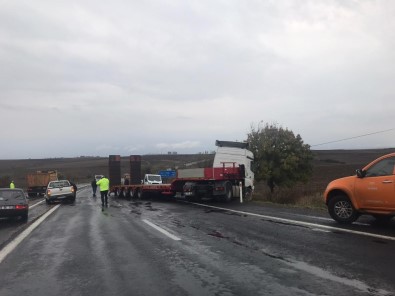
x=230, y=176
x=193, y=184
x=141, y=190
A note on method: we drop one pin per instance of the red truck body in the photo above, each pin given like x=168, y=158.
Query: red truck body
x=215, y=178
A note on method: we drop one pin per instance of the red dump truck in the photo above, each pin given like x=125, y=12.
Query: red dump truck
x=37, y=182
x=230, y=176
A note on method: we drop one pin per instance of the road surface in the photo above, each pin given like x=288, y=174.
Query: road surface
x=157, y=247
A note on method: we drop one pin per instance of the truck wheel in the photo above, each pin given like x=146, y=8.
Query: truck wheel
x=341, y=209
x=228, y=192
x=47, y=201
x=247, y=194
x=139, y=193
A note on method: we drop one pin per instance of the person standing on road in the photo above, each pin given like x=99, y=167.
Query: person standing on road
x=94, y=187
x=12, y=185
x=104, y=185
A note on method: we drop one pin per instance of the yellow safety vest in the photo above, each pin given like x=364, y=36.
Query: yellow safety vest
x=104, y=184
x=12, y=185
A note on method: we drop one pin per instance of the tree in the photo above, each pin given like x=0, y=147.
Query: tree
x=281, y=159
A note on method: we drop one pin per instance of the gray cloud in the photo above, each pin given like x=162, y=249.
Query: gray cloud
x=122, y=77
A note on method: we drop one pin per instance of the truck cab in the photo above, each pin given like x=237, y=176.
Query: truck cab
x=150, y=179
x=231, y=154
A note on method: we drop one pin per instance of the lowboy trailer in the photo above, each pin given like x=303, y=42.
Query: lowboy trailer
x=231, y=176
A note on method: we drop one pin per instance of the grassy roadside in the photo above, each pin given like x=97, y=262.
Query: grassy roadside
x=299, y=196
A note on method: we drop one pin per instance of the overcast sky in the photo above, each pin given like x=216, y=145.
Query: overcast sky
x=137, y=77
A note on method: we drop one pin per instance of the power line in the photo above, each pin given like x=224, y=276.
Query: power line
x=345, y=139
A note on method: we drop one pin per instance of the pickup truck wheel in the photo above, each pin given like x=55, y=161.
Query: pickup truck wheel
x=342, y=210
x=48, y=201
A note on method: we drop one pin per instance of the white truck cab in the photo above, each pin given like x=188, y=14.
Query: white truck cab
x=235, y=153
x=152, y=179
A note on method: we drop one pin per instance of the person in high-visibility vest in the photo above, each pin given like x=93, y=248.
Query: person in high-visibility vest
x=12, y=185
x=104, y=185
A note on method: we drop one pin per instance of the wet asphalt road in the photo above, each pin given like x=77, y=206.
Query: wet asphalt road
x=80, y=250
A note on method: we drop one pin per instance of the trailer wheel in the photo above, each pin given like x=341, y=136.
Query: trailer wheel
x=228, y=192
x=139, y=193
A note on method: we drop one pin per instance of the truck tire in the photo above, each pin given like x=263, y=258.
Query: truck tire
x=139, y=193
x=247, y=194
x=228, y=192
x=341, y=209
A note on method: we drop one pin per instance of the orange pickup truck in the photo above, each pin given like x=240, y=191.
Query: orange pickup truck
x=370, y=191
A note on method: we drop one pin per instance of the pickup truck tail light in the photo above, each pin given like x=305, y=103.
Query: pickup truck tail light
x=21, y=207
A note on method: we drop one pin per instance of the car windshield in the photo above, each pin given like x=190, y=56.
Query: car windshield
x=11, y=194
x=59, y=184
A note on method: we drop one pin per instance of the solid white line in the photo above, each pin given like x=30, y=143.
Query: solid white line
x=165, y=232
x=301, y=223
x=13, y=244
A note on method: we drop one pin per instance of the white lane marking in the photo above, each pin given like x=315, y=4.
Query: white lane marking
x=14, y=243
x=321, y=273
x=322, y=218
x=36, y=204
x=313, y=225
x=165, y=232
x=322, y=230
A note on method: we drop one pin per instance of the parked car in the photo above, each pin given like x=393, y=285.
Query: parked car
x=13, y=203
x=61, y=190
x=370, y=191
